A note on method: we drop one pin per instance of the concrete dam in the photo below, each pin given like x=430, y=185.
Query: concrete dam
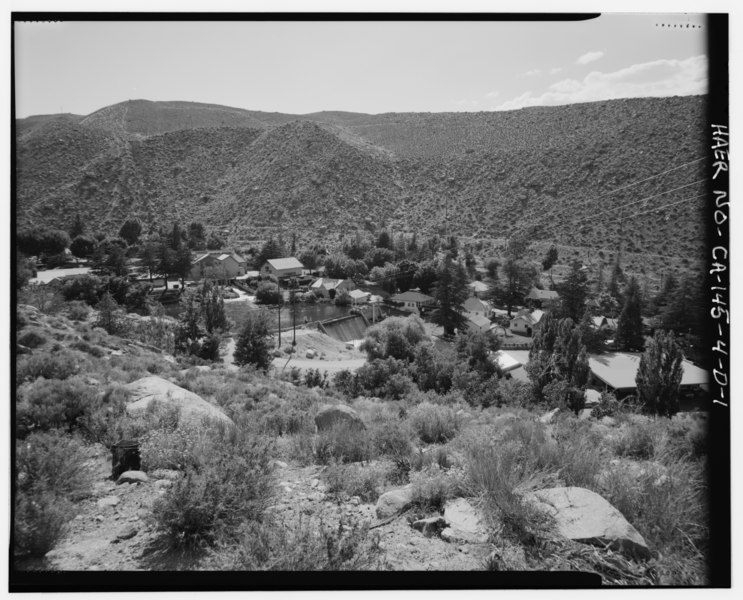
x=346, y=328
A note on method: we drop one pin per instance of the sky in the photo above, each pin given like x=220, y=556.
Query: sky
x=367, y=66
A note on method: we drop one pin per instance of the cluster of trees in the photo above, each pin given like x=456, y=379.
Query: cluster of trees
x=199, y=331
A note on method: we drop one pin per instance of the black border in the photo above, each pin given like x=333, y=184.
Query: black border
x=719, y=465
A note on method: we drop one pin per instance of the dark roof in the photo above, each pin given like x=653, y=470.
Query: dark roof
x=411, y=296
x=536, y=294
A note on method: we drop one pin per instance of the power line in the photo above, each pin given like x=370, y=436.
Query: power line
x=609, y=193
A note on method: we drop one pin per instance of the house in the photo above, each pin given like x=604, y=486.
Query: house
x=505, y=361
x=478, y=288
x=282, y=268
x=475, y=306
x=541, y=298
x=329, y=288
x=413, y=301
x=477, y=323
x=230, y=266
x=202, y=266
x=616, y=371
x=525, y=322
x=359, y=297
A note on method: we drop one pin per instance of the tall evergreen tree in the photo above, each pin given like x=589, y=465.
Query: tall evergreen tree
x=573, y=292
x=254, y=342
x=629, y=327
x=212, y=308
x=450, y=292
x=550, y=258
x=518, y=277
x=130, y=231
x=659, y=376
x=78, y=227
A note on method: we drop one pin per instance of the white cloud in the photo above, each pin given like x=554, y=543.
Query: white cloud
x=589, y=57
x=532, y=73
x=667, y=77
x=555, y=71
x=492, y=94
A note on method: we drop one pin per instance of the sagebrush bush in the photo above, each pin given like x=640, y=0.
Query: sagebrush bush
x=49, y=365
x=434, y=424
x=52, y=403
x=40, y=522
x=310, y=545
x=166, y=448
x=83, y=346
x=50, y=475
x=77, y=310
x=433, y=486
x=231, y=484
x=31, y=339
x=105, y=421
x=343, y=442
x=636, y=440
x=353, y=480
x=391, y=436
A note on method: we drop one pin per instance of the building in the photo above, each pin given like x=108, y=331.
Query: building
x=525, y=322
x=617, y=371
x=478, y=288
x=221, y=267
x=475, y=306
x=413, y=301
x=359, y=297
x=282, y=268
x=329, y=288
x=540, y=298
x=477, y=323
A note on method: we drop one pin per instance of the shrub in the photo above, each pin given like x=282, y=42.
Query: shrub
x=230, y=485
x=40, y=521
x=253, y=345
x=433, y=424
x=348, y=383
x=110, y=315
x=51, y=404
x=636, y=441
x=313, y=378
x=31, y=339
x=352, y=480
x=83, y=288
x=391, y=437
x=103, y=422
x=343, y=443
x=398, y=386
x=608, y=406
x=52, y=461
x=311, y=545
x=84, y=346
x=267, y=293
x=433, y=486
x=49, y=474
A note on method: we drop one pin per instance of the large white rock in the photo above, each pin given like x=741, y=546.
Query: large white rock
x=393, y=502
x=584, y=516
x=193, y=408
x=338, y=413
x=465, y=522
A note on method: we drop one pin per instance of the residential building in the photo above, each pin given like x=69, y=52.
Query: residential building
x=478, y=288
x=475, y=306
x=525, y=322
x=541, y=298
x=329, y=288
x=413, y=301
x=477, y=323
x=282, y=268
x=359, y=297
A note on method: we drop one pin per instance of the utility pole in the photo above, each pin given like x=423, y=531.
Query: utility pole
x=294, y=314
x=281, y=295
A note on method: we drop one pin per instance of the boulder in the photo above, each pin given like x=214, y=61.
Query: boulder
x=585, y=414
x=584, y=516
x=193, y=408
x=592, y=398
x=310, y=353
x=394, y=502
x=132, y=477
x=338, y=413
x=108, y=501
x=465, y=522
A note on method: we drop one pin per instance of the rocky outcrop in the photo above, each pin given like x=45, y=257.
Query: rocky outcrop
x=584, y=516
x=193, y=408
x=339, y=413
x=133, y=477
x=394, y=502
x=465, y=523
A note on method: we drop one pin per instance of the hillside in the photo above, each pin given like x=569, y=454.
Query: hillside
x=249, y=172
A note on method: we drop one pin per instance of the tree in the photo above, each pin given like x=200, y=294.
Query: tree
x=616, y=280
x=109, y=315
x=475, y=348
x=593, y=337
x=130, y=231
x=558, y=359
x=148, y=255
x=196, y=236
x=270, y=250
x=407, y=270
x=182, y=263
x=25, y=270
x=253, y=345
x=212, y=308
x=518, y=278
x=267, y=293
x=659, y=376
x=77, y=228
x=37, y=241
x=214, y=242
x=383, y=240
x=378, y=257
x=450, y=293
x=188, y=333
x=550, y=258
x=177, y=237
x=573, y=292
x=629, y=326
x=426, y=276
x=83, y=246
